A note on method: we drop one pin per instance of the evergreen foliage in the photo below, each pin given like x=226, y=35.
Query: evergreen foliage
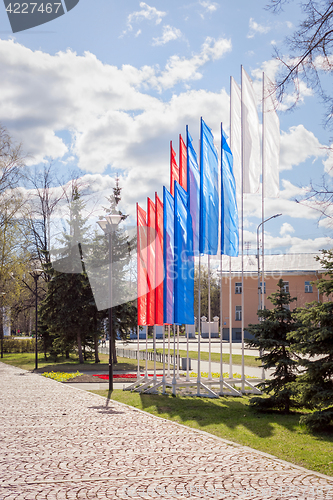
x=68, y=310
x=314, y=341
x=69, y=318
x=271, y=336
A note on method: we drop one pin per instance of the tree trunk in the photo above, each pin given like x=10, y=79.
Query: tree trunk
x=67, y=354
x=97, y=360
x=79, y=347
x=114, y=353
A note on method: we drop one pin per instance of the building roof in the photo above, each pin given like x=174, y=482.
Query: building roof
x=280, y=263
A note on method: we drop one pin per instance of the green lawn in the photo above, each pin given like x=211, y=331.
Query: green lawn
x=215, y=357
x=232, y=419
x=26, y=361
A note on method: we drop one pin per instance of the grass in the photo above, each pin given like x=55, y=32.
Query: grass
x=26, y=361
x=215, y=357
x=229, y=418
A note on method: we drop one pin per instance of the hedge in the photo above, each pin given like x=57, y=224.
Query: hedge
x=18, y=345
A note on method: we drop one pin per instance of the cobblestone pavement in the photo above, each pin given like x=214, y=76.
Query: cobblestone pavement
x=58, y=443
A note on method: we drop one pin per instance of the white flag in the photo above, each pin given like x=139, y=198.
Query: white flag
x=271, y=142
x=235, y=133
x=251, y=137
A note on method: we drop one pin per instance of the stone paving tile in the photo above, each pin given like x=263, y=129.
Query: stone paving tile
x=60, y=443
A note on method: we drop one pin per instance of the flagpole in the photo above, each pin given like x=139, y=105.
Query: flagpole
x=199, y=284
x=169, y=352
x=209, y=325
x=174, y=362
x=163, y=359
x=177, y=351
x=262, y=288
x=187, y=355
x=230, y=322
x=230, y=294
x=147, y=352
x=138, y=350
x=221, y=329
x=154, y=342
x=242, y=229
x=199, y=327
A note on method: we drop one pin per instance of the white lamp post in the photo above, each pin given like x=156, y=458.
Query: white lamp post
x=109, y=224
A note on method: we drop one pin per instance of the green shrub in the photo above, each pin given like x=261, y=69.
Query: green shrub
x=11, y=345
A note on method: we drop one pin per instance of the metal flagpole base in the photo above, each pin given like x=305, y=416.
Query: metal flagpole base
x=138, y=382
x=231, y=390
x=244, y=382
x=211, y=393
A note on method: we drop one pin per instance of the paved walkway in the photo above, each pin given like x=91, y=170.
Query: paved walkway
x=58, y=443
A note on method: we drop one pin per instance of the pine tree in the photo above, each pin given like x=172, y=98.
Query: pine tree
x=68, y=311
x=271, y=336
x=314, y=341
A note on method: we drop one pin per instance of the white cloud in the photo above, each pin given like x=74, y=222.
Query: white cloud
x=328, y=163
x=208, y=5
x=297, y=146
x=169, y=33
x=180, y=69
x=286, y=228
x=112, y=121
x=256, y=28
x=146, y=13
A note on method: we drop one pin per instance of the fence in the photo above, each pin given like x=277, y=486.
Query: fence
x=133, y=354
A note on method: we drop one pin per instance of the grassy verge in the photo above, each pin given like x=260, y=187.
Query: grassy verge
x=215, y=357
x=232, y=419
x=26, y=361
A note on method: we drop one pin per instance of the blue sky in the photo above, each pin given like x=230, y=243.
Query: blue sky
x=105, y=87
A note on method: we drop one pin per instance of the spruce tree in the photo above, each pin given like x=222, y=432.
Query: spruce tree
x=67, y=313
x=314, y=341
x=270, y=335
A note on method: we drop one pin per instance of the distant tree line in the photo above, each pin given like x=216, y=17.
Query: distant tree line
x=30, y=203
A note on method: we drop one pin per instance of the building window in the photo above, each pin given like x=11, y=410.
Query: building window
x=238, y=316
x=308, y=287
x=238, y=287
x=261, y=287
x=238, y=335
x=285, y=287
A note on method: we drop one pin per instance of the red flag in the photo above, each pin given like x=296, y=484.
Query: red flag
x=174, y=170
x=182, y=163
x=159, y=262
x=151, y=263
x=142, y=265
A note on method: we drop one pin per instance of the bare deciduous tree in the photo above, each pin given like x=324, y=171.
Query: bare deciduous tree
x=311, y=56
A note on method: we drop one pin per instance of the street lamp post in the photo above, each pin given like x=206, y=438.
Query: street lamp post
x=108, y=225
x=35, y=274
x=260, y=291
x=2, y=294
x=261, y=288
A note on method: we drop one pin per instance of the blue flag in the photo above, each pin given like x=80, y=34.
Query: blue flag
x=168, y=257
x=209, y=194
x=229, y=213
x=184, y=261
x=193, y=189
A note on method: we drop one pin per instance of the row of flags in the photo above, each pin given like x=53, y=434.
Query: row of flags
x=199, y=215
